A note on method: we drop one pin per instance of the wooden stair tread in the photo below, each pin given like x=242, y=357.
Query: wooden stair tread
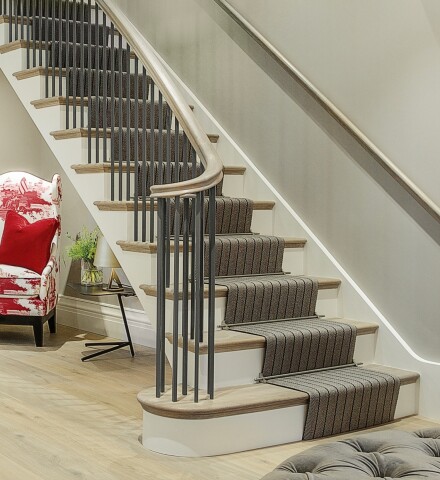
x=36, y=72
x=105, y=167
x=230, y=341
x=84, y=132
x=145, y=247
x=222, y=291
x=239, y=399
x=60, y=101
x=128, y=205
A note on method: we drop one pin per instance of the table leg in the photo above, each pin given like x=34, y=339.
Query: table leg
x=127, y=331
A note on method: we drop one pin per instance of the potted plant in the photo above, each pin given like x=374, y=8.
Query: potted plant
x=84, y=249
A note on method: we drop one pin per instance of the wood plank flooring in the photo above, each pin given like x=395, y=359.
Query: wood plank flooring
x=62, y=419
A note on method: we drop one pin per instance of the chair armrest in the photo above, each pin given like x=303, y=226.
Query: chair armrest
x=50, y=272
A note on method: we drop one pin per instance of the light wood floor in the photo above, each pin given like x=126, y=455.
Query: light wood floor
x=62, y=419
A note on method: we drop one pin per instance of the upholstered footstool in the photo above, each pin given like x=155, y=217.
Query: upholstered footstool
x=387, y=454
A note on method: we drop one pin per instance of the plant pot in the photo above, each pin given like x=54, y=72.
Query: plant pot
x=91, y=275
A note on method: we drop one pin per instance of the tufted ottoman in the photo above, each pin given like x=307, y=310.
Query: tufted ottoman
x=387, y=454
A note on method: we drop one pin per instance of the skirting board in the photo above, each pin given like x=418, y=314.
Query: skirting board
x=105, y=319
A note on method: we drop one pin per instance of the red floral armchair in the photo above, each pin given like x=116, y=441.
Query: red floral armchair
x=26, y=297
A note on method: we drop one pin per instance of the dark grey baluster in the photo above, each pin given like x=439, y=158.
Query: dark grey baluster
x=176, y=299
x=46, y=47
x=112, y=110
x=75, y=68
x=211, y=295
x=53, y=49
x=197, y=248
x=97, y=67
x=144, y=159
x=81, y=61
x=104, y=87
x=202, y=262
x=22, y=18
x=193, y=241
x=10, y=21
x=160, y=326
x=34, y=40
x=15, y=19
x=120, y=117
x=160, y=140
x=40, y=28
x=152, y=159
x=185, y=274
x=136, y=147
x=28, y=30
x=89, y=81
x=68, y=66
x=168, y=180
x=128, y=102
x=60, y=43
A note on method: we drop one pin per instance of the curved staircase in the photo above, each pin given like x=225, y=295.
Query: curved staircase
x=116, y=143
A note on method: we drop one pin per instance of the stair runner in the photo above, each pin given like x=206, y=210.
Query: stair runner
x=303, y=352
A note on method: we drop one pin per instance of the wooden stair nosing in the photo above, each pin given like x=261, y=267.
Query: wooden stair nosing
x=222, y=291
x=36, y=72
x=17, y=44
x=128, y=205
x=20, y=20
x=231, y=341
x=84, y=132
x=105, y=167
x=145, y=247
x=239, y=400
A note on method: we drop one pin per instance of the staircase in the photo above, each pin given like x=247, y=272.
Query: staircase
x=188, y=238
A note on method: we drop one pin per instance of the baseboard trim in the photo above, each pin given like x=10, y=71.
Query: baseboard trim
x=105, y=319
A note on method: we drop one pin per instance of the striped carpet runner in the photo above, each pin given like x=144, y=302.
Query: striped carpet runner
x=303, y=351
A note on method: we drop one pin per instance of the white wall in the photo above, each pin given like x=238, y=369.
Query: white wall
x=23, y=148
x=322, y=174
x=379, y=62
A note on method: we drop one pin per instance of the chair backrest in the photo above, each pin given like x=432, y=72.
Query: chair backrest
x=30, y=196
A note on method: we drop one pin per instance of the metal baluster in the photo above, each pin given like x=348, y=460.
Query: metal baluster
x=15, y=19
x=104, y=85
x=168, y=180
x=160, y=327
x=34, y=40
x=185, y=274
x=144, y=159
x=202, y=262
x=128, y=105
x=97, y=67
x=197, y=248
x=46, y=47
x=193, y=241
x=176, y=299
x=40, y=28
x=28, y=30
x=89, y=81
x=152, y=158
x=67, y=62
x=75, y=67
x=211, y=295
x=120, y=116
x=112, y=110
x=160, y=141
x=10, y=21
x=136, y=147
x=53, y=49
x=81, y=61
x=60, y=66
x=22, y=18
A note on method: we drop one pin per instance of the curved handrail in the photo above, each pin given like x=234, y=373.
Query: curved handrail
x=429, y=205
x=213, y=173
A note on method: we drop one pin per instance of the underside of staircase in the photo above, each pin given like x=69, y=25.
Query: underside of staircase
x=281, y=350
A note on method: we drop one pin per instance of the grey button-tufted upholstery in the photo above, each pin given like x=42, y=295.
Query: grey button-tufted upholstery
x=388, y=454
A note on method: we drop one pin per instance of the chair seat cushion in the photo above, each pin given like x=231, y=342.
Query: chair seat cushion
x=18, y=282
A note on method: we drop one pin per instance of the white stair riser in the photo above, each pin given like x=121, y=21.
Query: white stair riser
x=243, y=367
x=238, y=433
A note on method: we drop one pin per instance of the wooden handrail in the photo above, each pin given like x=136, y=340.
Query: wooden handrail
x=429, y=205
x=213, y=173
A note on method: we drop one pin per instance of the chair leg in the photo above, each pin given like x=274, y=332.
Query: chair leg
x=53, y=323
x=38, y=332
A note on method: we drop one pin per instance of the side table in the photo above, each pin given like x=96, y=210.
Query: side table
x=97, y=291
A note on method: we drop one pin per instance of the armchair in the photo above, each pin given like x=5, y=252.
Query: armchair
x=28, y=297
